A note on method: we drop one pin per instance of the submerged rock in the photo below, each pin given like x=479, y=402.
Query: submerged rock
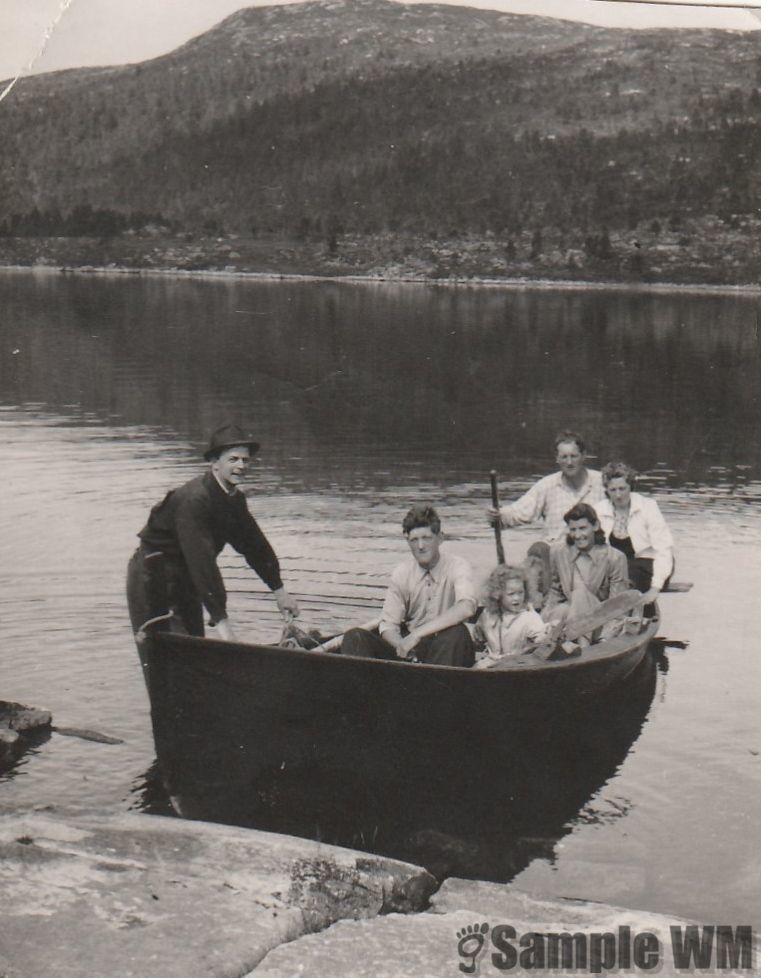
x=23, y=719
x=9, y=746
x=18, y=727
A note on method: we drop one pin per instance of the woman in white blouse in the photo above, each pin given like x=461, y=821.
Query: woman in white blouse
x=635, y=525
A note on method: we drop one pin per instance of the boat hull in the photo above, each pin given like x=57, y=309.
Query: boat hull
x=233, y=720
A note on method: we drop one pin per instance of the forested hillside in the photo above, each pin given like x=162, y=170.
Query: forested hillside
x=366, y=117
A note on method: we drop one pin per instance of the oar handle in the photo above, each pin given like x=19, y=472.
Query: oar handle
x=497, y=525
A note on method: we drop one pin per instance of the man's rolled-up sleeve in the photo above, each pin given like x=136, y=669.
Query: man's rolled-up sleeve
x=527, y=509
x=464, y=588
x=394, y=611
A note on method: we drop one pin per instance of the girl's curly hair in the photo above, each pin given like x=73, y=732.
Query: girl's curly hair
x=494, y=586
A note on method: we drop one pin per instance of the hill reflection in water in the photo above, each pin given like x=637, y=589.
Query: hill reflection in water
x=342, y=380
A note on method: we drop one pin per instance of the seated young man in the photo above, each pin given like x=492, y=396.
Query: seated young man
x=585, y=570
x=430, y=595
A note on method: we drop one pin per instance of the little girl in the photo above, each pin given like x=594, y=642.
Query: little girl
x=508, y=625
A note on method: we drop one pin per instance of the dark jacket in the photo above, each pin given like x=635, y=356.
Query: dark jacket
x=194, y=522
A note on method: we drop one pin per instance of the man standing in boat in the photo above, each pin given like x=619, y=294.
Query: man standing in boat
x=173, y=574
x=549, y=500
x=430, y=596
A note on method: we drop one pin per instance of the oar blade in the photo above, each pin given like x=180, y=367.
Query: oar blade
x=614, y=607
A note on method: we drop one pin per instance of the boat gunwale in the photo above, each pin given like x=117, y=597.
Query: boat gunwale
x=602, y=653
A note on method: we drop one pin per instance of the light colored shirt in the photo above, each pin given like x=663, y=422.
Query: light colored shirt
x=416, y=595
x=580, y=581
x=648, y=532
x=582, y=599
x=507, y=634
x=549, y=499
x=600, y=572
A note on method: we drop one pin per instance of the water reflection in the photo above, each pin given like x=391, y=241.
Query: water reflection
x=13, y=756
x=147, y=793
x=337, y=376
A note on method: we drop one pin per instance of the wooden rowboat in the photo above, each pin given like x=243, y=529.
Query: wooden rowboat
x=233, y=720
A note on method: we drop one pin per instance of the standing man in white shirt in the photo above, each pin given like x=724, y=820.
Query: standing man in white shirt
x=549, y=499
x=430, y=596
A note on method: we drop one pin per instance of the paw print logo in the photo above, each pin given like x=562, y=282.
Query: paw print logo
x=470, y=946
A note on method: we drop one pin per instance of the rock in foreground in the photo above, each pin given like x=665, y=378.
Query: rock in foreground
x=461, y=935
x=18, y=724
x=141, y=896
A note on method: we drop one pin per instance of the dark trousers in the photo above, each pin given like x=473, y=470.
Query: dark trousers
x=157, y=585
x=640, y=573
x=641, y=577
x=450, y=647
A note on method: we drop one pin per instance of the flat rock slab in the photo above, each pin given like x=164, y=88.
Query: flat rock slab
x=462, y=934
x=142, y=896
x=394, y=946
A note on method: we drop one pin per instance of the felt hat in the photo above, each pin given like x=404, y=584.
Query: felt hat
x=228, y=436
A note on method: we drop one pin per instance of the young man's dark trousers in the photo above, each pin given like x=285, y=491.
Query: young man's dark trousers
x=450, y=647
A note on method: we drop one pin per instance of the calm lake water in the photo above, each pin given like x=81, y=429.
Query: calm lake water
x=367, y=398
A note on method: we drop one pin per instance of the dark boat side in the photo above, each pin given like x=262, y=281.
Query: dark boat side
x=230, y=718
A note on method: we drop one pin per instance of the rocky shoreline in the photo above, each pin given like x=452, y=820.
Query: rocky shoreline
x=144, y=896
x=704, y=258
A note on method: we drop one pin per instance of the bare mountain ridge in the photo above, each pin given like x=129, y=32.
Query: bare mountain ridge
x=373, y=113
x=271, y=50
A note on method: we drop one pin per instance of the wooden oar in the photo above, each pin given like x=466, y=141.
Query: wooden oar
x=334, y=643
x=614, y=607
x=85, y=734
x=561, y=642
x=498, y=524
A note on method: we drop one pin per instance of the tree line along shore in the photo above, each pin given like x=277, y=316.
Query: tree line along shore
x=705, y=251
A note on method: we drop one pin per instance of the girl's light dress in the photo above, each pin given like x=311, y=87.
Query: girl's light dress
x=507, y=634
